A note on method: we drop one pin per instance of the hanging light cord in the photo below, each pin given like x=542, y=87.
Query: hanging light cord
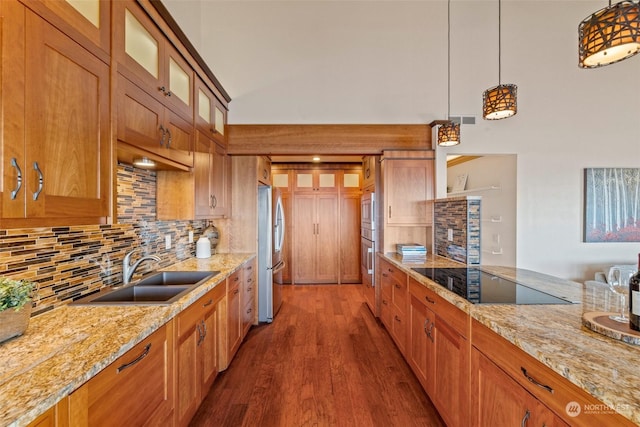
x=448, y=59
x=500, y=42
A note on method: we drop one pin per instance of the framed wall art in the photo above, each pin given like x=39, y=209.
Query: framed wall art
x=611, y=205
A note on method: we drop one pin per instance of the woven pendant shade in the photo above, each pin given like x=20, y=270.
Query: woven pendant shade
x=449, y=134
x=609, y=35
x=500, y=102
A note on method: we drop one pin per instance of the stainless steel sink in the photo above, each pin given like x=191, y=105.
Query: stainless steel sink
x=173, y=278
x=135, y=294
x=163, y=287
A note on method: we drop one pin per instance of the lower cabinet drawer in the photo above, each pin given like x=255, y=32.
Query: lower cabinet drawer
x=136, y=389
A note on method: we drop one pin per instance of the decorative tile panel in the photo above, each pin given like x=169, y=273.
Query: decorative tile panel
x=70, y=262
x=462, y=215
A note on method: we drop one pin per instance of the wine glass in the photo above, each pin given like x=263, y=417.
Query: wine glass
x=619, y=283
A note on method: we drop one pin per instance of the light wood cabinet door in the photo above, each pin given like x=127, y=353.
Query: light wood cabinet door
x=188, y=380
x=210, y=114
x=88, y=22
x=316, y=238
x=136, y=389
x=316, y=180
x=408, y=192
x=420, y=350
x=56, y=148
x=451, y=376
x=264, y=170
x=197, y=342
x=149, y=60
x=209, y=344
x=220, y=181
x=234, y=318
x=349, y=235
x=498, y=400
x=144, y=122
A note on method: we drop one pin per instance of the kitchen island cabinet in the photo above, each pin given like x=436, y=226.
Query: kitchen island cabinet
x=393, y=306
x=538, y=358
x=439, y=351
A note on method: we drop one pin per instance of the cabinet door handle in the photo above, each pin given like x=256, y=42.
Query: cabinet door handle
x=168, y=93
x=430, y=331
x=204, y=330
x=236, y=291
x=249, y=289
x=136, y=360
x=164, y=132
x=214, y=201
x=265, y=174
x=397, y=286
x=199, y=335
x=249, y=310
x=40, y=180
x=170, y=137
x=384, y=275
x=525, y=419
x=424, y=326
x=534, y=381
x=385, y=302
x=396, y=318
x=389, y=212
x=162, y=89
x=14, y=163
x=429, y=300
x=208, y=303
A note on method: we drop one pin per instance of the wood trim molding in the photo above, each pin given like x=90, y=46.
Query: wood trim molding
x=461, y=159
x=326, y=139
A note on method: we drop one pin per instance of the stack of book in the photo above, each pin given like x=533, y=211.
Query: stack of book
x=412, y=252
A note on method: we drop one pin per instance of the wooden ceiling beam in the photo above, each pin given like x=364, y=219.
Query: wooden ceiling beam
x=326, y=139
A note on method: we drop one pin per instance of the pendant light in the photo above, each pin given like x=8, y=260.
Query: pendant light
x=609, y=35
x=449, y=132
x=500, y=102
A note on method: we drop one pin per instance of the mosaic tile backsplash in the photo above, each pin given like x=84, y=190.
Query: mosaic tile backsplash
x=67, y=263
x=462, y=215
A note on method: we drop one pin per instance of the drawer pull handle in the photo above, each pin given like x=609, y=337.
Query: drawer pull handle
x=384, y=275
x=136, y=360
x=249, y=310
x=249, y=289
x=398, y=286
x=208, y=303
x=525, y=418
x=534, y=381
x=385, y=302
x=390, y=270
x=429, y=300
x=236, y=291
x=397, y=319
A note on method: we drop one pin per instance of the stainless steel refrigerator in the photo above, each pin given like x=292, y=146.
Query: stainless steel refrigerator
x=270, y=242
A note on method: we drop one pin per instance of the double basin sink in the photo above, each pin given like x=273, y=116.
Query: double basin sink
x=163, y=287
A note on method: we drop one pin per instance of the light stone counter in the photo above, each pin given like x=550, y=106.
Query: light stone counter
x=554, y=334
x=65, y=347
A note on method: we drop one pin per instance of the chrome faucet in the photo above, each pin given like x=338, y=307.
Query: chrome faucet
x=128, y=269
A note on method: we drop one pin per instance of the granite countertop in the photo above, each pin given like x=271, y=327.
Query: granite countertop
x=61, y=349
x=554, y=334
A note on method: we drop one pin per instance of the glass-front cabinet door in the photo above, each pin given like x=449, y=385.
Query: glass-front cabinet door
x=87, y=22
x=147, y=58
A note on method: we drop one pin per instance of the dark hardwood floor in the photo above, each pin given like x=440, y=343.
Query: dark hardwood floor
x=324, y=361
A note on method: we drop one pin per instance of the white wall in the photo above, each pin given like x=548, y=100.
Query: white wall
x=385, y=62
x=494, y=179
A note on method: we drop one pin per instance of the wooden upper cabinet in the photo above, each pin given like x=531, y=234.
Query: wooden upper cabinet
x=350, y=181
x=369, y=166
x=88, y=22
x=211, y=114
x=143, y=122
x=147, y=58
x=316, y=180
x=408, y=191
x=264, y=170
x=56, y=147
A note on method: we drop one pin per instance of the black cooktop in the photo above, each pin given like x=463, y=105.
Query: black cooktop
x=480, y=287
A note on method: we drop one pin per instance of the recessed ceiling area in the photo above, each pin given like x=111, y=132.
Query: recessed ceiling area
x=310, y=159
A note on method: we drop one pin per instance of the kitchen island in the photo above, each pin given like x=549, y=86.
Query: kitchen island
x=552, y=334
x=64, y=348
